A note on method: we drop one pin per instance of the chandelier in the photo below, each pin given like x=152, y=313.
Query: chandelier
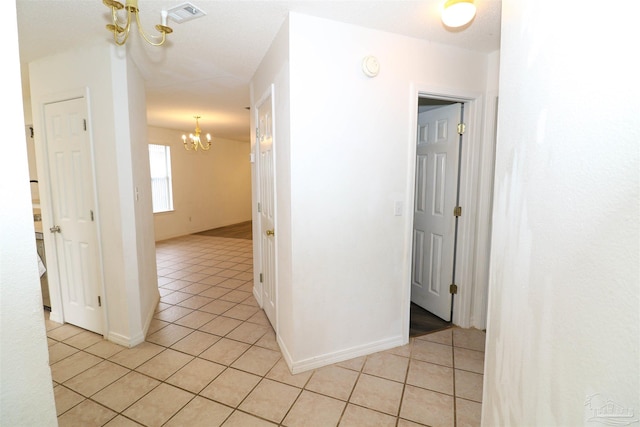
x=122, y=24
x=194, y=140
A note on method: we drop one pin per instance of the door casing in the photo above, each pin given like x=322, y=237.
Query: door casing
x=476, y=185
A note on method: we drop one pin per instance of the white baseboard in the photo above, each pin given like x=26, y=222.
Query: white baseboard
x=339, y=356
x=124, y=340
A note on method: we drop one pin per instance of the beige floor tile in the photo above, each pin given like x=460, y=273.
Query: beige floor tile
x=333, y=381
x=403, y=350
x=257, y=360
x=441, y=337
x=378, y=394
x=196, y=319
x=314, y=410
x=231, y=387
x=232, y=283
x=241, y=312
x=63, y=332
x=260, y=318
x=270, y=400
x=469, y=360
x=468, y=414
x=194, y=277
x=213, y=281
x=268, y=340
x=354, y=364
x=164, y=364
x=432, y=352
x=427, y=407
x=469, y=385
x=196, y=301
x=240, y=419
x=178, y=283
x=357, y=416
x=200, y=412
x=169, y=335
x=472, y=339
x=104, y=349
x=156, y=324
x=86, y=413
x=224, y=351
x=195, y=343
x=387, y=366
x=96, y=378
x=59, y=351
x=249, y=333
x=221, y=326
x=121, y=421
x=236, y=296
x=281, y=373
x=217, y=307
x=173, y=313
x=136, y=356
x=162, y=305
x=71, y=366
x=83, y=340
x=407, y=423
x=196, y=375
x=175, y=297
x=431, y=376
x=155, y=408
x=125, y=391
x=65, y=399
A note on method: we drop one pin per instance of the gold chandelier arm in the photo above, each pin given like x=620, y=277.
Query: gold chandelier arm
x=120, y=33
x=162, y=29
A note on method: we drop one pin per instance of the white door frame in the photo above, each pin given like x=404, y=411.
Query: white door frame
x=46, y=203
x=476, y=188
x=258, y=291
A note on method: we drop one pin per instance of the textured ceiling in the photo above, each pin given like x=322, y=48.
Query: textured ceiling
x=206, y=66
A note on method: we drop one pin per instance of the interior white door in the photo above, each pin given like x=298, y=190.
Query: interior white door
x=435, y=199
x=72, y=199
x=267, y=209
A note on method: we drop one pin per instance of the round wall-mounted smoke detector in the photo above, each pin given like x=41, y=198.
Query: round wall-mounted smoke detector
x=370, y=66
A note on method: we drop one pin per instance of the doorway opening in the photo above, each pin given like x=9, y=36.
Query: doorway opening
x=438, y=154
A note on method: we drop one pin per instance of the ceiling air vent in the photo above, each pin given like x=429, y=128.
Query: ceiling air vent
x=184, y=12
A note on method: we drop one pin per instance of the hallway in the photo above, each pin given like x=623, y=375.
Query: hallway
x=211, y=359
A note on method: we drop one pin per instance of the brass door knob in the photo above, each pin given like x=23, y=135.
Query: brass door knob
x=270, y=233
x=55, y=229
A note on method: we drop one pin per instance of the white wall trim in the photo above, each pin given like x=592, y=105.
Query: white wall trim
x=467, y=257
x=342, y=355
x=125, y=340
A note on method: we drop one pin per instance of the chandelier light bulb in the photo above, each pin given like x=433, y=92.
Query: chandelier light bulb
x=195, y=143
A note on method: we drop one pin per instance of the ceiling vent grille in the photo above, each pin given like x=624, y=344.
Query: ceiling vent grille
x=184, y=12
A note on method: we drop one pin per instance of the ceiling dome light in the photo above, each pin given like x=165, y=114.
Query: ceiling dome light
x=457, y=13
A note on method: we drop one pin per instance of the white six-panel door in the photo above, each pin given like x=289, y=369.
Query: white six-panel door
x=267, y=209
x=72, y=201
x=435, y=199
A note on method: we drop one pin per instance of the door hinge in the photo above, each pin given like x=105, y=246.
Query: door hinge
x=457, y=211
x=91, y=215
x=461, y=128
x=257, y=134
x=259, y=207
x=85, y=124
x=99, y=301
x=453, y=288
x=260, y=277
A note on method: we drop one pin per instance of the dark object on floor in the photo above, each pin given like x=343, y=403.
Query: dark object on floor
x=422, y=322
x=241, y=230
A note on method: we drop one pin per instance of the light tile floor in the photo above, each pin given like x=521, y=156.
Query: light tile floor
x=211, y=359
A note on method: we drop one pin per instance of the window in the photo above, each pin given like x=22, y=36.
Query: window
x=160, y=165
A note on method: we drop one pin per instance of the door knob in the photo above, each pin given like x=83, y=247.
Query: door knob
x=55, y=229
x=270, y=233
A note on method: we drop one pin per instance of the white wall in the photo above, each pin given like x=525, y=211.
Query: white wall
x=210, y=188
x=351, y=145
x=26, y=391
x=564, y=301
x=117, y=123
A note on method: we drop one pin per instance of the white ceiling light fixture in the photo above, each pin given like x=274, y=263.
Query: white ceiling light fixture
x=122, y=24
x=457, y=13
